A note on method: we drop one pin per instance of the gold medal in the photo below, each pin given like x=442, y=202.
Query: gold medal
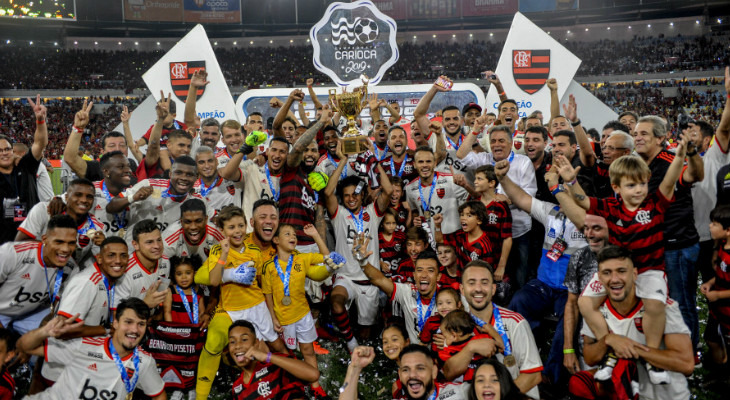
x=129, y=396
x=286, y=301
x=156, y=194
x=122, y=232
x=509, y=361
x=427, y=214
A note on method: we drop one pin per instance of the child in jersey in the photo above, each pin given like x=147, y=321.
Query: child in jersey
x=717, y=289
x=499, y=217
x=399, y=204
x=390, y=240
x=416, y=243
x=470, y=241
x=283, y=280
x=450, y=271
x=458, y=328
x=264, y=374
x=447, y=300
x=7, y=352
x=183, y=302
x=636, y=222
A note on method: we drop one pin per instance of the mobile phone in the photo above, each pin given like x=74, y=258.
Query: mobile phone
x=360, y=187
x=444, y=83
x=164, y=284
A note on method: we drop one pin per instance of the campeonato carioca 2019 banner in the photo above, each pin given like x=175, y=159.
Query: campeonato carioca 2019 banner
x=207, y=11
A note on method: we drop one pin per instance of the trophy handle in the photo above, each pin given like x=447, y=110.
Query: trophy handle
x=333, y=100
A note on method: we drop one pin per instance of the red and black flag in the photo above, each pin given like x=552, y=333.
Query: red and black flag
x=530, y=68
x=180, y=74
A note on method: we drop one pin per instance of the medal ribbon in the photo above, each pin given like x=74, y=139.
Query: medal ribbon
x=285, y=277
x=274, y=194
x=357, y=221
x=499, y=326
x=56, y=283
x=109, y=296
x=422, y=318
x=402, y=167
x=343, y=174
x=119, y=218
x=427, y=207
x=194, y=315
x=166, y=194
x=90, y=225
x=382, y=155
x=511, y=157
x=129, y=384
x=203, y=190
x=454, y=145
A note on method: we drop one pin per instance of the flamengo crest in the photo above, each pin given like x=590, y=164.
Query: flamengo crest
x=354, y=39
x=180, y=74
x=531, y=69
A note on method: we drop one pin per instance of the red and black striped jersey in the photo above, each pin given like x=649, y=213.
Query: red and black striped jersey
x=449, y=351
x=268, y=382
x=431, y=328
x=392, y=251
x=466, y=251
x=498, y=225
x=722, y=267
x=402, y=217
x=297, y=202
x=178, y=311
x=447, y=280
x=7, y=386
x=404, y=274
x=641, y=230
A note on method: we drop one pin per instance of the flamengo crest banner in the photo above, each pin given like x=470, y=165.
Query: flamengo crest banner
x=354, y=39
x=172, y=73
x=529, y=58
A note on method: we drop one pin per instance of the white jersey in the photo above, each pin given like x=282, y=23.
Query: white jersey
x=114, y=224
x=256, y=186
x=629, y=326
x=446, y=199
x=25, y=286
x=452, y=391
x=43, y=183
x=327, y=166
x=137, y=279
x=223, y=157
x=524, y=349
x=222, y=193
x=405, y=295
x=36, y=224
x=86, y=294
x=159, y=206
x=346, y=231
x=177, y=245
x=91, y=373
x=704, y=192
x=380, y=154
x=451, y=160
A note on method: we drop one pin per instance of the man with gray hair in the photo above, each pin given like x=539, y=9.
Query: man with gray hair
x=680, y=236
x=210, y=134
x=618, y=144
x=218, y=191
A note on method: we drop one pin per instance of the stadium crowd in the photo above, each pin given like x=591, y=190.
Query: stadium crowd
x=98, y=69
x=456, y=257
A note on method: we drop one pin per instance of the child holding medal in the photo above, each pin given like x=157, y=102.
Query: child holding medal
x=283, y=279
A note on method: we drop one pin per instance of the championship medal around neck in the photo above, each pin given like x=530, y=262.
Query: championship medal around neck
x=286, y=301
x=509, y=361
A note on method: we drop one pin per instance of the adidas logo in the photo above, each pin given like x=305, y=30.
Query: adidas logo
x=92, y=367
x=98, y=207
x=143, y=290
x=26, y=276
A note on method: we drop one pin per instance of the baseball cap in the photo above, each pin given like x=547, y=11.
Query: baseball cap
x=469, y=107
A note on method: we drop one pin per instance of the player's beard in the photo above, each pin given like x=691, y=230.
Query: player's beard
x=307, y=168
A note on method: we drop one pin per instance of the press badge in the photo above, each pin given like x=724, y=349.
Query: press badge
x=13, y=209
x=558, y=249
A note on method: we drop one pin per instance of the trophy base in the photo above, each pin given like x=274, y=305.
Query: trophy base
x=354, y=144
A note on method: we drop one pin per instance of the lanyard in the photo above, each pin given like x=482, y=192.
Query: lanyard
x=109, y=295
x=382, y=155
x=434, y=394
x=90, y=225
x=274, y=194
x=402, y=167
x=358, y=221
x=166, y=194
x=56, y=283
x=454, y=145
x=205, y=190
x=511, y=157
x=129, y=384
x=422, y=318
x=194, y=315
x=119, y=218
x=343, y=174
x=285, y=277
x=424, y=205
x=499, y=326
x=176, y=124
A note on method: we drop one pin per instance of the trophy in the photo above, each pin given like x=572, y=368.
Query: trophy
x=349, y=105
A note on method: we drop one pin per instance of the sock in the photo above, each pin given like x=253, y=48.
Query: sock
x=207, y=368
x=342, y=321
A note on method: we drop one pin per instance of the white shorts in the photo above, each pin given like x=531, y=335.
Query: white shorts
x=259, y=316
x=366, y=297
x=302, y=331
x=651, y=284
